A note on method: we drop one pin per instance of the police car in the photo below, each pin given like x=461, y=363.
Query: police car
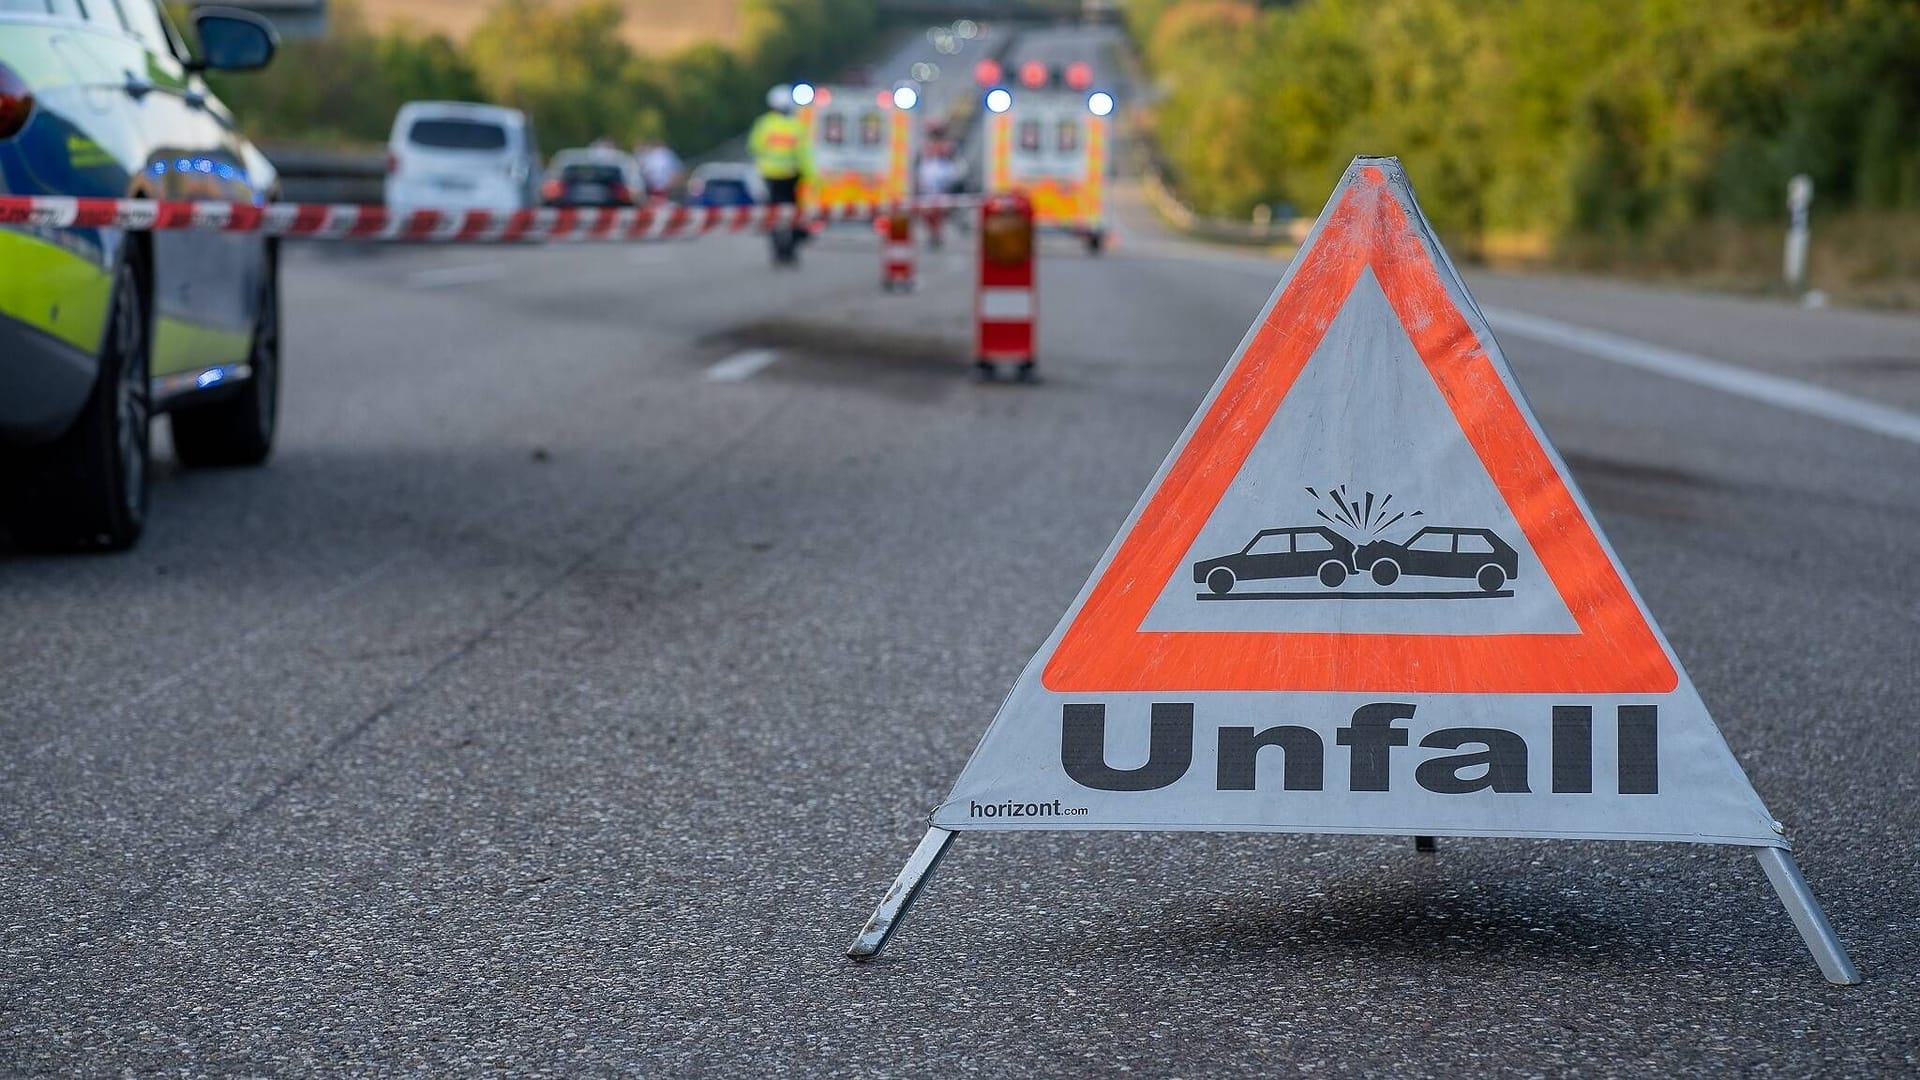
x=102, y=329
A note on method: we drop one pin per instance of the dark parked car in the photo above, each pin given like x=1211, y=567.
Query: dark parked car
x=592, y=178
x=1308, y=551
x=101, y=329
x=726, y=183
x=1442, y=551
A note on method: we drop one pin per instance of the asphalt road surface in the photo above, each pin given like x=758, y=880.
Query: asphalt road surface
x=952, y=82
x=565, y=692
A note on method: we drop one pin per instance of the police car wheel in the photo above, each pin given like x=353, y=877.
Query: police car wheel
x=238, y=429
x=88, y=489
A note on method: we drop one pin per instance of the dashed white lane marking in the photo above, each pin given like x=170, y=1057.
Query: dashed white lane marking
x=1776, y=390
x=442, y=277
x=742, y=366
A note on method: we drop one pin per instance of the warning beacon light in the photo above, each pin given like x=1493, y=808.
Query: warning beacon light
x=987, y=72
x=16, y=103
x=1033, y=74
x=999, y=100
x=1079, y=75
x=905, y=97
x=1100, y=103
x=803, y=94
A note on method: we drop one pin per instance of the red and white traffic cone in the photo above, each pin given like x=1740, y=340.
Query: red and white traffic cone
x=936, y=229
x=896, y=252
x=1005, y=301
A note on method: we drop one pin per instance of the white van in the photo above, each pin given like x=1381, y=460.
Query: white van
x=456, y=155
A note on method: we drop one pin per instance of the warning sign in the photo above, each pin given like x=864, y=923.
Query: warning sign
x=1363, y=595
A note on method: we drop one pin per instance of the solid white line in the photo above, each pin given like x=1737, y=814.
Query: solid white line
x=742, y=366
x=441, y=277
x=1785, y=393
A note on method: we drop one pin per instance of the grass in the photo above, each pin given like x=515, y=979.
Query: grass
x=1858, y=258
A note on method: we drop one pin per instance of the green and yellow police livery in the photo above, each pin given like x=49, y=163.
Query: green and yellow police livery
x=101, y=329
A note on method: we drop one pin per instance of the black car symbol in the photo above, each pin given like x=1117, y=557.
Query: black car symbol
x=1310, y=551
x=1440, y=551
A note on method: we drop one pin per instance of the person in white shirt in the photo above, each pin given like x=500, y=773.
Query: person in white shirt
x=660, y=168
x=936, y=174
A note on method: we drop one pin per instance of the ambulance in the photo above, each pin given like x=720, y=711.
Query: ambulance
x=862, y=144
x=1054, y=144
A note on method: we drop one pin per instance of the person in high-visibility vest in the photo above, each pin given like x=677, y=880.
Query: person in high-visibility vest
x=783, y=156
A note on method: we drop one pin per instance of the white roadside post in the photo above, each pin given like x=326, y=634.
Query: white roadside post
x=1799, y=201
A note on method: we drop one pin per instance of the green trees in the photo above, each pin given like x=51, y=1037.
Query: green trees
x=346, y=86
x=1543, y=116
x=711, y=94
x=567, y=66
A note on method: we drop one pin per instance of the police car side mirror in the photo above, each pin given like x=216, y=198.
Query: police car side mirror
x=232, y=40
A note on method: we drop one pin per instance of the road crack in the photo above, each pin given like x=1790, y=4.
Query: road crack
x=409, y=691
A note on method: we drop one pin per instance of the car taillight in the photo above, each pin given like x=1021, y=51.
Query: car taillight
x=393, y=163
x=621, y=193
x=552, y=189
x=16, y=103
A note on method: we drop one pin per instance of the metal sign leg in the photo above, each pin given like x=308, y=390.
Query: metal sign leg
x=1807, y=916
x=893, y=908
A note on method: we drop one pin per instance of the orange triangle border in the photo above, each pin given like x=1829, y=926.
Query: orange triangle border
x=1615, y=649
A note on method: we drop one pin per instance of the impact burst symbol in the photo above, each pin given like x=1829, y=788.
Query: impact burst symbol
x=1365, y=517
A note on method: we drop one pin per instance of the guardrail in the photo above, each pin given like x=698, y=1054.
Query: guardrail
x=330, y=176
x=1223, y=230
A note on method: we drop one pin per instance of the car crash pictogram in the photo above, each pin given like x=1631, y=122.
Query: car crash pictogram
x=1443, y=552
x=1324, y=553
x=1312, y=551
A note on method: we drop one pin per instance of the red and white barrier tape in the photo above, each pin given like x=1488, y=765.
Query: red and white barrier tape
x=350, y=222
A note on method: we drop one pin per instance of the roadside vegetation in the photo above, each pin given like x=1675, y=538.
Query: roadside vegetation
x=1651, y=135
x=569, y=66
x=655, y=27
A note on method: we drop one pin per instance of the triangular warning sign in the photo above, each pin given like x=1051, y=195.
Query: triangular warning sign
x=1364, y=384
x=1362, y=595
